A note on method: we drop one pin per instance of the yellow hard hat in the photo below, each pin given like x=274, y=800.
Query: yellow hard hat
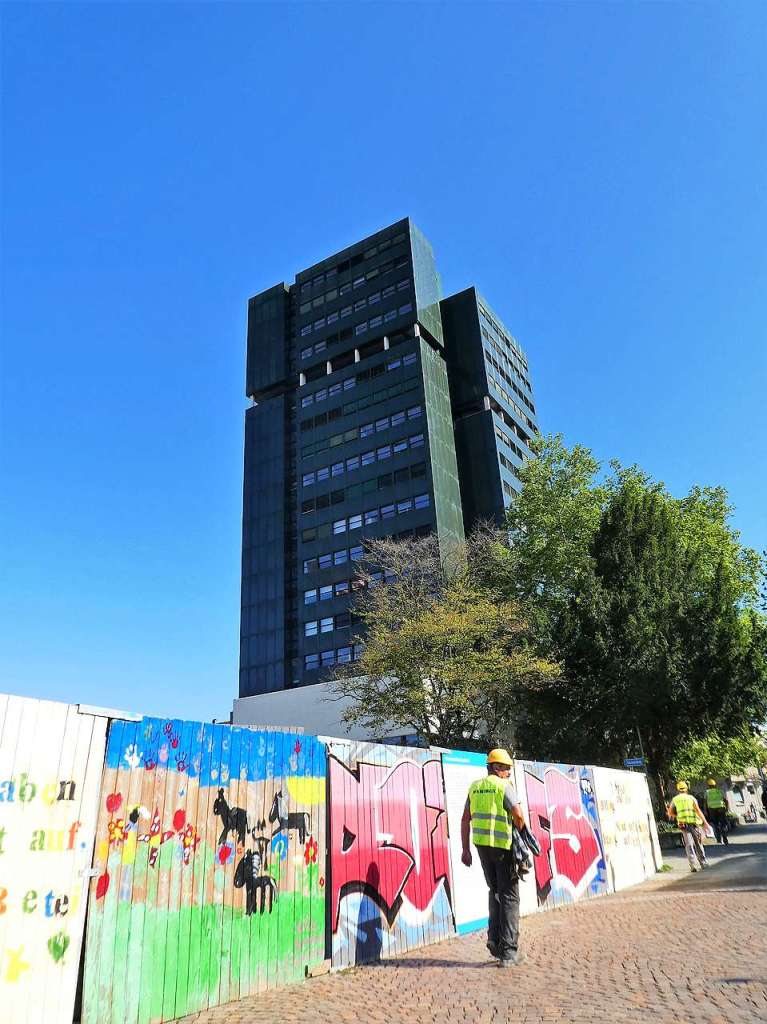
x=500, y=756
x=711, y=782
x=681, y=787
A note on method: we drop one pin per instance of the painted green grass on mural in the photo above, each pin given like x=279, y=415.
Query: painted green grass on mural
x=273, y=949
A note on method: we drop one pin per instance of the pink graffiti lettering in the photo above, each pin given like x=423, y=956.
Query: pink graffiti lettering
x=388, y=834
x=569, y=846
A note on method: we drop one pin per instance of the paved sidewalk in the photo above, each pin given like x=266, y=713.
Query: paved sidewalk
x=682, y=947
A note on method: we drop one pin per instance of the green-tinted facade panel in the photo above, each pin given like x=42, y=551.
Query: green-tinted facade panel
x=444, y=466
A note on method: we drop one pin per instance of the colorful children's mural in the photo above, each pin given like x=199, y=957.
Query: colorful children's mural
x=209, y=870
x=389, y=859
x=561, y=809
x=51, y=757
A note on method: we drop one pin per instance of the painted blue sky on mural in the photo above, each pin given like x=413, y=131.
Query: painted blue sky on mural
x=210, y=752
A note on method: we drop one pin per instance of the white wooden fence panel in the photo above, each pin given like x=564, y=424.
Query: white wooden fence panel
x=51, y=759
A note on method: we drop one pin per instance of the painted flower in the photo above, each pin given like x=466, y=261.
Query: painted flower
x=310, y=851
x=118, y=830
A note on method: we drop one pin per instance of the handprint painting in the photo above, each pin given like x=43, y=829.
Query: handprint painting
x=209, y=883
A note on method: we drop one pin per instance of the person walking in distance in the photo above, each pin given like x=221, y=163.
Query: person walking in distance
x=685, y=808
x=717, y=811
x=491, y=813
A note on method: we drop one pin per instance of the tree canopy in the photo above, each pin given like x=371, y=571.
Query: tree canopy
x=443, y=655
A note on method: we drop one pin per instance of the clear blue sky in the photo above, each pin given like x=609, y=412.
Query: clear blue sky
x=600, y=171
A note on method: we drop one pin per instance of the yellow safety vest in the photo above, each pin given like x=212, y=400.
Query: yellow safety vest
x=684, y=804
x=714, y=799
x=490, y=824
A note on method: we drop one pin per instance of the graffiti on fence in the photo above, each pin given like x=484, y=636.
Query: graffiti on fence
x=389, y=856
x=209, y=899
x=564, y=819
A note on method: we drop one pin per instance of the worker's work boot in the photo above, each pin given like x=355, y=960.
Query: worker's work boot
x=513, y=961
x=493, y=949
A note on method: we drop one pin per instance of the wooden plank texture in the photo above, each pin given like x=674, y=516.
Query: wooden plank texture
x=207, y=899
x=50, y=765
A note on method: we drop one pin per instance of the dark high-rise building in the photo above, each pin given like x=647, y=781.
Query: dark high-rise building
x=493, y=409
x=352, y=435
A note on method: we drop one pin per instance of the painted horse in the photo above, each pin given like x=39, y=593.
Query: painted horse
x=295, y=820
x=234, y=819
x=260, y=890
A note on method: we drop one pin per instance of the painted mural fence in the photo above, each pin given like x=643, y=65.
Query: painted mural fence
x=209, y=868
x=216, y=875
x=595, y=827
x=51, y=758
x=389, y=862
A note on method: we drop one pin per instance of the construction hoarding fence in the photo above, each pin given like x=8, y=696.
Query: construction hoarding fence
x=51, y=758
x=391, y=886
x=207, y=862
x=209, y=870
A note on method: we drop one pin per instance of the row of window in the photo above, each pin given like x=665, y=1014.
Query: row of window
x=507, y=358
x=502, y=436
x=514, y=387
x=380, y=483
x=363, y=325
x=354, y=307
x=331, y=558
x=353, y=433
x=325, y=531
x=354, y=462
x=507, y=420
x=340, y=589
x=508, y=341
x=369, y=518
x=349, y=382
x=341, y=621
x=344, y=265
x=326, y=659
x=507, y=463
x=510, y=401
x=351, y=407
x=510, y=491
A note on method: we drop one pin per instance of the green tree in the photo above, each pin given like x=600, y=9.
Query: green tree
x=443, y=655
x=655, y=641
x=719, y=757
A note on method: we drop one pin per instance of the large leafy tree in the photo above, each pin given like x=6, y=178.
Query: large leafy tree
x=444, y=655
x=656, y=629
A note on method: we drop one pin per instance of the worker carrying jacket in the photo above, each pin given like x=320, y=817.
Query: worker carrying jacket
x=491, y=812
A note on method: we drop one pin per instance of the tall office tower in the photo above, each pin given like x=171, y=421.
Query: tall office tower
x=350, y=436
x=493, y=410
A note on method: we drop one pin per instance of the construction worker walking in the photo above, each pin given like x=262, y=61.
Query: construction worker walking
x=685, y=808
x=717, y=811
x=491, y=813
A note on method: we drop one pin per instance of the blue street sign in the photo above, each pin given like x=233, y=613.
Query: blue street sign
x=634, y=762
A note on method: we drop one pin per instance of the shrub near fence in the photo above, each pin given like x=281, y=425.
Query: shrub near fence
x=230, y=860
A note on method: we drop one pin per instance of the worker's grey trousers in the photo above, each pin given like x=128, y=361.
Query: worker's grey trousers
x=692, y=837
x=503, y=901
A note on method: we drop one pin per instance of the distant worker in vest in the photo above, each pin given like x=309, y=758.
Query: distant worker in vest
x=717, y=811
x=689, y=817
x=492, y=811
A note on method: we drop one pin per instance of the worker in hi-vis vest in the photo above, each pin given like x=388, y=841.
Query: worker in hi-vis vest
x=689, y=817
x=492, y=811
x=717, y=812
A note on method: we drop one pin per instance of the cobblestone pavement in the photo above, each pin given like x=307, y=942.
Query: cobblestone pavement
x=682, y=947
